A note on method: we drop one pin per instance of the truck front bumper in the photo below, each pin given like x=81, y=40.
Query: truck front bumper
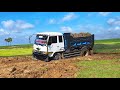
x=40, y=55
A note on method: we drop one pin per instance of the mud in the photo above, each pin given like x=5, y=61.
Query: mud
x=26, y=67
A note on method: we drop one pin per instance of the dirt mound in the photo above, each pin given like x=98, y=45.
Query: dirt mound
x=25, y=67
x=75, y=35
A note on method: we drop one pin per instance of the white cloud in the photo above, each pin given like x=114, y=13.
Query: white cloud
x=104, y=13
x=3, y=32
x=27, y=26
x=91, y=28
x=68, y=17
x=111, y=21
x=114, y=21
x=16, y=26
x=114, y=29
x=66, y=29
x=23, y=25
x=117, y=28
x=100, y=31
x=52, y=21
x=8, y=23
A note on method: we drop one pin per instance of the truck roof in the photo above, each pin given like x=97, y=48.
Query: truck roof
x=50, y=33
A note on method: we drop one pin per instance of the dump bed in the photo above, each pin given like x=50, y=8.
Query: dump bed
x=78, y=42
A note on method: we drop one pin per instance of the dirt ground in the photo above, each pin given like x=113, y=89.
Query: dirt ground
x=26, y=67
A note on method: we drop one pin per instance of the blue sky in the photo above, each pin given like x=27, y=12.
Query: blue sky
x=20, y=25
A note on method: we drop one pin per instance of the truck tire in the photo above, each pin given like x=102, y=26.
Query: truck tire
x=46, y=59
x=57, y=56
x=62, y=56
x=84, y=51
x=34, y=57
x=90, y=52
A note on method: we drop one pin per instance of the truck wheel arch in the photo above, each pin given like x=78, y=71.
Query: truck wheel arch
x=57, y=56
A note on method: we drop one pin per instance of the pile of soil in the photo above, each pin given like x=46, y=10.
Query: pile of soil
x=75, y=35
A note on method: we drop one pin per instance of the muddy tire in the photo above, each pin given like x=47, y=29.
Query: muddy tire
x=46, y=59
x=57, y=56
x=34, y=57
x=62, y=56
x=84, y=51
x=90, y=52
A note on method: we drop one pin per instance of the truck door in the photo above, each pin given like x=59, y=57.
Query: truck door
x=53, y=47
x=60, y=43
x=57, y=43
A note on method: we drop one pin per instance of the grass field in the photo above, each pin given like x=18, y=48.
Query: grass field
x=16, y=46
x=16, y=50
x=108, y=41
x=107, y=46
x=99, y=69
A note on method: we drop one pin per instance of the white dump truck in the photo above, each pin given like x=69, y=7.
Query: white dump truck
x=56, y=45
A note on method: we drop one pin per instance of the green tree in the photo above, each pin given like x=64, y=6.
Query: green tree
x=8, y=40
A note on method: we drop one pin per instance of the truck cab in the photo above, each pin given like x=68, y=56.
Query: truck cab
x=47, y=44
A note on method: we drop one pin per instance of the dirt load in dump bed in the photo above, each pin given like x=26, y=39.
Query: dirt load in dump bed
x=25, y=67
x=75, y=35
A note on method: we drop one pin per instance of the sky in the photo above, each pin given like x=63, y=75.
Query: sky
x=20, y=25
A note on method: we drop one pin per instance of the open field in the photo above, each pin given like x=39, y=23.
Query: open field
x=105, y=63
x=107, y=46
x=16, y=50
x=97, y=69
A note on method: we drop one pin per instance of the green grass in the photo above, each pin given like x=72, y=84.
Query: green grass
x=15, y=50
x=104, y=48
x=17, y=46
x=107, y=46
x=108, y=41
x=99, y=69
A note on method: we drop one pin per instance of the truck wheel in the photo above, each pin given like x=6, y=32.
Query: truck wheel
x=90, y=52
x=34, y=57
x=57, y=56
x=84, y=52
x=46, y=59
x=62, y=56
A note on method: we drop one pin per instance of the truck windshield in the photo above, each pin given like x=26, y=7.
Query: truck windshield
x=41, y=39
